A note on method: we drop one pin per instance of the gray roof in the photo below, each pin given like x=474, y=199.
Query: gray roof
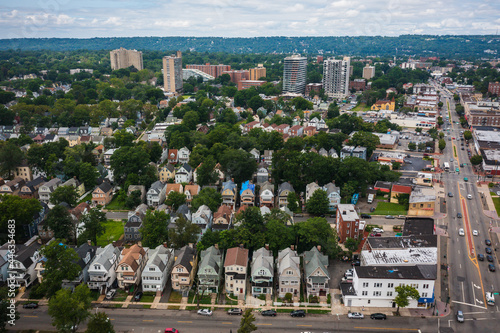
x=330, y=188
x=288, y=258
x=211, y=257
x=285, y=186
x=262, y=258
x=187, y=167
x=158, y=256
x=417, y=272
x=404, y=242
x=157, y=186
x=185, y=256
x=314, y=260
x=105, y=187
x=104, y=256
x=82, y=251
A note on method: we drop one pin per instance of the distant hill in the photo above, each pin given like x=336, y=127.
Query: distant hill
x=418, y=45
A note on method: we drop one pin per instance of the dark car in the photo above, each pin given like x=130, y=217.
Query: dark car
x=480, y=257
x=459, y=215
x=489, y=257
x=488, y=250
x=30, y=305
x=356, y=263
x=235, y=311
x=372, y=209
x=487, y=242
x=366, y=216
x=138, y=296
x=379, y=316
x=450, y=194
x=491, y=267
x=298, y=313
x=268, y=313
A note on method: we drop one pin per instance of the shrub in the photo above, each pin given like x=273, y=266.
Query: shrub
x=288, y=297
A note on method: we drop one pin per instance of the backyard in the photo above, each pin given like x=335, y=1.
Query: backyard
x=361, y=107
x=114, y=231
x=496, y=201
x=116, y=204
x=389, y=208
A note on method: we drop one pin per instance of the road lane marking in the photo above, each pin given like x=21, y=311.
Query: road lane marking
x=147, y=320
x=463, y=303
x=304, y=325
x=468, y=313
x=226, y=323
x=387, y=328
x=185, y=322
x=264, y=324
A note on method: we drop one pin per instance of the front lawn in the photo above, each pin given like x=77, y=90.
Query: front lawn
x=120, y=296
x=148, y=297
x=114, y=231
x=361, y=107
x=496, y=201
x=88, y=197
x=389, y=208
x=116, y=204
x=175, y=297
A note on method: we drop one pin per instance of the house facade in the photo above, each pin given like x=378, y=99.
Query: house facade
x=348, y=224
x=283, y=190
x=223, y=218
x=184, y=269
x=156, y=194
x=333, y=194
x=235, y=268
x=229, y=192
x=45, y=191
x=262, y=272
x=103, y=194
x=210, y=270
x=132, y=228
x=183, y=155
x=316, y=272
x=102, y=270
x=203, y=218
x=167, y=172
x=157, y=270
x=129, y=270
x=184, y=174
x=267, y=195
x=247, y=194
x=288, y=264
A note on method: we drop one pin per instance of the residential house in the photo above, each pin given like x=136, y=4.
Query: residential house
x=106, y=131
x=316, y=272
x=140, y=188
x=121, y=121
x=31, y=229
x=382, y=186
x=247, y=194
x=183, y=174
x=348, y=223
x=190, y=191
x=132, y=262
x=422, y=201
x=256, y=154
x=296, y=130
x=311, y=188
x=51, y=138
x=262, y=174
x=266, y=195
x=184, y=269
x=333, y=194
x=210, y=270
x=397, y=190
x=313, y=122
x=79, y=187
x=63, y=131
x=219, y=172
x=229, y=192
x=39, y=138
x=107, y=156
x=173, y=156
x=384, y=104
x=157, y=270
x=30, y=189
x=73, y=140
x=183, y=155
x=235, y=267
x=23, y=171
x=283, y=128
x=167, y=172
x=156, y=194
x=289, y=275
x=173, y=188
x=283, y=190
x=12, y=187
x=203, y=218
x=86, y=253
x=134, y=223
x=262, y=272
x=45, y=191
x=268, y=157
x=310, y=131
x=21, y=269
x=350, y=151
x=333, y=153
x=102, y=194
x=102, y=270
x=184, y=212
x=84, y=131
x=223, y=218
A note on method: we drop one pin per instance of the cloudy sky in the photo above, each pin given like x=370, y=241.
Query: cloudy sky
x=245, y=18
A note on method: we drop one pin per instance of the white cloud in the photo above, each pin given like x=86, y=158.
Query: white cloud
x=172, y=24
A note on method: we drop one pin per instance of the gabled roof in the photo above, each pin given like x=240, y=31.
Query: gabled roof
x=247, y=186
x=82, y=251
x=185, y=256
x=193, y=189
x=210, y=257
x=285, y=186
x=157, y=256
x=169, y=167
x=229, y=185
x=105, y=187
x=288, y=258
x=314, y=260
x=401, y=189
x=223, y=211
x=236, y=256
x=186, y=167
x=104, y=256
x=262, y=258
x=131, y=255
x=157, y=186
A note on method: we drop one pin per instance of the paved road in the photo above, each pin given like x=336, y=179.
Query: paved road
x=116, y=215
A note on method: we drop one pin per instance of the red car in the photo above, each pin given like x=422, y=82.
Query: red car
x=171, y=330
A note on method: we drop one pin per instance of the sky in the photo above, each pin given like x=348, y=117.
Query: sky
x=245, y=18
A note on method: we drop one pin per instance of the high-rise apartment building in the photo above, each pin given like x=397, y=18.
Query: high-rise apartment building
x=172, y=72
x=214, y=70
x=368, y=72
x=336, y=77
x=257, y=72
x=294, y=74
x=123, y=58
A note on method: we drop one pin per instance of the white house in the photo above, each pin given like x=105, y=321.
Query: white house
x=262, y=272
x=288, y=263
x=184, y=174
x=333, y=194
x=156, y=194
x=183, y=155
x=157, y=270
x=102, y=270
x=22, y=268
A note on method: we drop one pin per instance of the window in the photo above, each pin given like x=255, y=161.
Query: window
x=377, y=285
x=389, y=293
x=377, y=293
x=179, y=270
x=364, y=293
x=390, y=285
x=425, y=286
x=414, y=285
x=365, y=284
x=424, y=295
x=369, y=301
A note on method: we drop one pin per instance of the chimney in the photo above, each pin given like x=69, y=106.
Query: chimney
x=319, y=248
x=139, y=243
x=241, y=246
x=39, y=241
x=89, y=242
x=266, y=247
x=216, y=246
x=165, y=245
x=190, y=245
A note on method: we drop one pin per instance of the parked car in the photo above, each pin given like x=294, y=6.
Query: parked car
x=138, y=296
x=460, y=316
x=487, y=242
x=356, y=263
x=390, y=217
x=491, y=267
x=487, y=250
x=402, y=217
x=298, y=313
x=171, y=330
x=379, y=230
x=489, y=257
x=235, y=311
x=355, y=315
x=30, y=305
x=366, y=216
x=268, y=313
x=480, y=257
x=110, y=294
x=205, y=312
x=379, y=316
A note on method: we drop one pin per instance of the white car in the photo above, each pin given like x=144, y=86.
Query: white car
x=110, y=294
x=475, y=233
x=378, y=230
x=205, y=312
x=469, y=196
x=355, y=315
x=461, y=232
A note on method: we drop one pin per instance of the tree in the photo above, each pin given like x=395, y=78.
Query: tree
x=403, y=199
x=8, y=311
x=60, y=222
x=351, y=244
x=11, y=157
x=246, y=324
x=88, y=175
x=154, y=229
x=93, y=224
x=442, y=144
x=128, y=160
x=316, y=231
x=205, y=173
x=134, y=199
x=20, y=210
x=418, y=130
x=318, y=203
x=365, y=139
x=68, y=309
x=476, y=159
x=404, y=293
x=239, y=164
x=184, y=233
x=175, y=200
x=293, y=204
x=99, y=323
x=65, y=194
x=467, y=135
x=207, y=196
x=412, y=146
x=61, y=264
x=123, y=138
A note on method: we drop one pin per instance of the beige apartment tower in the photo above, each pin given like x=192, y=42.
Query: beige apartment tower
x=123, y=58
x=336, y=77
x=257, y=72
x=172, y=72
x=368, y=72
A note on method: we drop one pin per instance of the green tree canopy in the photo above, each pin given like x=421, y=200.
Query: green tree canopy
x=70, y=309
x=11, y=157
x=246, y=323
x=404, y=294
x=154, y=229
x=184, y=233
x=65, y=194
x=60, y=222
x=318, y=203
x=175, y=200
x=207, y=196
x=476, y=159
x=93, y=226
x=20, y=210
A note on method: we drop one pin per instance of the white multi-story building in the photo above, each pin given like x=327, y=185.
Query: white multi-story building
x=102, y=271
x=172, y=72
x=294, y=74
x=156, y=272
x=336, y=77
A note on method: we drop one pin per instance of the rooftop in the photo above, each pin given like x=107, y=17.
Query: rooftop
x=422, y=194
x=418, y=226
x=348, y=212
x=417, y=272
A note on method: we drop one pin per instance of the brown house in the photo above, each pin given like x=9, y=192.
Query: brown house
x=12, y=187
x=102, y=194
x=30, y=189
